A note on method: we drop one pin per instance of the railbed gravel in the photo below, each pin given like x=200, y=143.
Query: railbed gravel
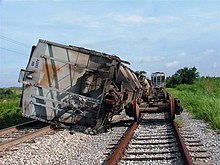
x=203, y=131
x=80, y=148
x=149, y=128
x=64, y=148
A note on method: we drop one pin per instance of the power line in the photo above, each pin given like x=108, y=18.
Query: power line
x=13, y=51
x=13, y=41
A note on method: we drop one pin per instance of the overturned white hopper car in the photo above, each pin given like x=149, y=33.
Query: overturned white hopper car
x=65, y=85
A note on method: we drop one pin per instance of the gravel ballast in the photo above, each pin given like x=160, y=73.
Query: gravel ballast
x=64, y=148
x=204, y=132
x=80, y=148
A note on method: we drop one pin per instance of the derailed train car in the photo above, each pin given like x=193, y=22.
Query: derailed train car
x=65, y=85
x=146, y=86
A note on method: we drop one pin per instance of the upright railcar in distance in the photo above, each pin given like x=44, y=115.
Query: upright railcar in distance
x=65, y=85
x=160, y=95
x=158, y=80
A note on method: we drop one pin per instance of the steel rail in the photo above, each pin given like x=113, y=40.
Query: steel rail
x=15, y=128
x=24, y=138
x=118, y=153
x=185, y=153
x=120, y=150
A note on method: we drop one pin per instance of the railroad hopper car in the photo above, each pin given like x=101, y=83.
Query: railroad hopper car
x=65, y=85
x=146, y=86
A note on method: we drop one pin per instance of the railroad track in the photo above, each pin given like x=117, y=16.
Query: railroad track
x=197, y=152
x=21, y=133
x=156, y=140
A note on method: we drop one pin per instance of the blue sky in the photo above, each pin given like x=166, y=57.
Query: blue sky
x=154, y=35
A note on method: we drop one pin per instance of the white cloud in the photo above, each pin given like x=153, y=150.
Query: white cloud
x=216, y=65
x=152, y=59
x=87, y=21
x=128, y=19
x=183, y=54
x=138, y=19
x=172, y=64
x=209, y=51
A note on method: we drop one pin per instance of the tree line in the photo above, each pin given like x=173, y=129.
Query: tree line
x=7, y=93
x=182, y=76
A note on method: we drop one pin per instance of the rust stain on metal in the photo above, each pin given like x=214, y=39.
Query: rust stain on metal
x=47, y=72
x=78, y=69
x=26, y=104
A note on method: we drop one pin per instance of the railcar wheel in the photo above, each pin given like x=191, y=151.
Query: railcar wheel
x=166, y=96
x=172, y=109
x=132, y=110
x=136, y=111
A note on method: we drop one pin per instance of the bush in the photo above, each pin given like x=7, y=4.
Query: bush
x=182, y=76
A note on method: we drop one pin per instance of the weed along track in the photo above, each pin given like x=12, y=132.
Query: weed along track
x=21, y=133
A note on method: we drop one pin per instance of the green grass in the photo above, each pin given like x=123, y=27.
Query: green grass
x=202, y=99
x=10, y=112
